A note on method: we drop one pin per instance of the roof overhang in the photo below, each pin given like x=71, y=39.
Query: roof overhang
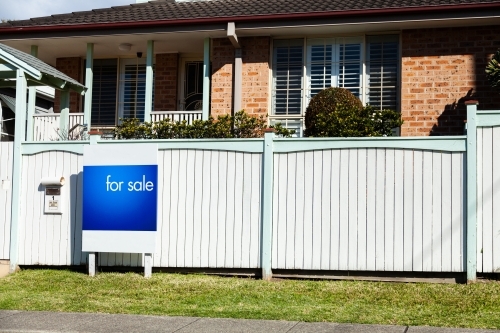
x=37, y=73
x=186, y=36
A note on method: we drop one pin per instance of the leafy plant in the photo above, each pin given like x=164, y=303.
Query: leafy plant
x=493, y=70
x=241, y=125
x=326, y=102
x=336, y=112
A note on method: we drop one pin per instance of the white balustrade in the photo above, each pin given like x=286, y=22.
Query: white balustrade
x=46, y=126
x=188, y=116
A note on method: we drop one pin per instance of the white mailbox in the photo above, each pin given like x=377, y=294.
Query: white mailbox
x=53, y=198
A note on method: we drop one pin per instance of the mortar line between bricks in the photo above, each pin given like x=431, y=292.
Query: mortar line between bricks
x=180, y=328
x=291, y=328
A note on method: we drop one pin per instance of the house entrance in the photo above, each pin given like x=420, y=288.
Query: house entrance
x=192, y=94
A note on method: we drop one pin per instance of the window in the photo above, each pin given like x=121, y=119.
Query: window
x=119, y=90
x=104, y=92
x=132, y=89
x=367, y=66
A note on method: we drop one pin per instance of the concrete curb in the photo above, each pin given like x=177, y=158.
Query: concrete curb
x=44, y=322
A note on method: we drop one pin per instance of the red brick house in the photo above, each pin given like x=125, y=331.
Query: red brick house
x=420, y=57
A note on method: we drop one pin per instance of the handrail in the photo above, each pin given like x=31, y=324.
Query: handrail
x=177, y=112
x=56, y=114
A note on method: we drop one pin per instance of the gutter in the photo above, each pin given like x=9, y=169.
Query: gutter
x=254, y=18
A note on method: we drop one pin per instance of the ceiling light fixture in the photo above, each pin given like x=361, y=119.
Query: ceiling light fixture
x=125, y=47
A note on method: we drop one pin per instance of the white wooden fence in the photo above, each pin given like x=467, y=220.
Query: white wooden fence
x=6, y=156
x=488, y=206
x=363, y=209
x=369, y=210
x=387, y=204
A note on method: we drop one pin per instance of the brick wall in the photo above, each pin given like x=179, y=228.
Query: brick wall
x=222, y=77
x=166, y=82
x=441, y=68
x=255, y=77
x=73, y=68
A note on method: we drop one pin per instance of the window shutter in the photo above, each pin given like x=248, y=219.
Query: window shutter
x=104, y=92
x=288, y=76
x=382, y=71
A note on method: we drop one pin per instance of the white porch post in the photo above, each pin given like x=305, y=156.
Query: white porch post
x=64, y=118
x=149, y=81
x=31, y=103
x=206, y=79
x=21, y=88
x=238, y=83
x=89, y=79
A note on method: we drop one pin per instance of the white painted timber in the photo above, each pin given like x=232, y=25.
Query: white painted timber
x=49, y=239
x=6, y=157
x=366, y=209
x=488, y=195
x=188, y=116
x=210, y=209
x=46, y=126
x=359, y=209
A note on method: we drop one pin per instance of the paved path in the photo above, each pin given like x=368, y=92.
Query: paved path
x=44, y=322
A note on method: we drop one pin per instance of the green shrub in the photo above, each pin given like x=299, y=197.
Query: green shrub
x=326, y=102
x=336, y=112
x=493, y=70
x=241, y=125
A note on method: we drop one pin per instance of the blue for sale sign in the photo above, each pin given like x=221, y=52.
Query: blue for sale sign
x=120, y=198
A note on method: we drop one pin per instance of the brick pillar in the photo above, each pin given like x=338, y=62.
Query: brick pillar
x=222, y=77
x=73, y=68
x=255, y=92
x=441, y=68
x=166, y=82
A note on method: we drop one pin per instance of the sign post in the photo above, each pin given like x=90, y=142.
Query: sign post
x=120, y=199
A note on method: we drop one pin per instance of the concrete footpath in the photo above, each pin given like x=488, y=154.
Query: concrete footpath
x=42, y=322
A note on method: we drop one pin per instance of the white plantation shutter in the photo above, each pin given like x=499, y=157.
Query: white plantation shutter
x=366, y=66
x=132, y=89
x=288, y=77
x=334, y=62
x=382, y=60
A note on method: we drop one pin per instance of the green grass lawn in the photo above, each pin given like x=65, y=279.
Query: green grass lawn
x=449, y=305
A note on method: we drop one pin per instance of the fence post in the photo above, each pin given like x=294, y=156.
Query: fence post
x=266, y=205
x=471, y=245
x=95, y=136
x=17, y=166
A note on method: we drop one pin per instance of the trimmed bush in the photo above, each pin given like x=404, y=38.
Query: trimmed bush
x=336, y=112
x=326, y=102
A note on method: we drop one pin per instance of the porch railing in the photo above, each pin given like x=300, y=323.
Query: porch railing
x=189, y=116
x=46, y=126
